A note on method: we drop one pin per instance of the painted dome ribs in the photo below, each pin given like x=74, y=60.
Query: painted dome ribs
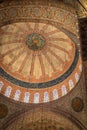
x=29, y=27
x=8, y=42
x=13, y=33
x=52, y=32
x=10, y=51
x=57, y=39
x=58, y=47
x=24, y=62
x=50, y=62
x=16, y=58
x=32, y=67
x=20, y=28
x=44, y=28
x=36, y=62
x=53, y=53
x=42, y=65
x=36, y=27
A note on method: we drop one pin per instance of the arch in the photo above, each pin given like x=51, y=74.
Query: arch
x=56, y=111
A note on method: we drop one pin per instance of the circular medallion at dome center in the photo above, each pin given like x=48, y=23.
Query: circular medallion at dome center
x=35, y=41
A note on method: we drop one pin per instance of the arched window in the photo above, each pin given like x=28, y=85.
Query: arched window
x=76, y=77
x=17, y=95
x=26, y=97
x=55, y=94
x=36, y=98
x=71, y=84
x=64, y=91
x=1, y=85
x=8, y=91
x=46, y=97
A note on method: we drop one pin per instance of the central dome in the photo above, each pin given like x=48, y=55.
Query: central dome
x=40, y=53
x=35, y=41
x=37, y=60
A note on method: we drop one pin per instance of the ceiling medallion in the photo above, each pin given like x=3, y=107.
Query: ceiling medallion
x=77, y=104
x=35, y=41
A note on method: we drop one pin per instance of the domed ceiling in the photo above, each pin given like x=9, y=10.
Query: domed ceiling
x=37, y=57
x=39, y=62
x=35, y=52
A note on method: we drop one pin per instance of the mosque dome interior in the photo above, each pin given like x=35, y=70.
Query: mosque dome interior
x=43, y=65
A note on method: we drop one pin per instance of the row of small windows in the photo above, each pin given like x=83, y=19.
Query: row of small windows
x=37, y=95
